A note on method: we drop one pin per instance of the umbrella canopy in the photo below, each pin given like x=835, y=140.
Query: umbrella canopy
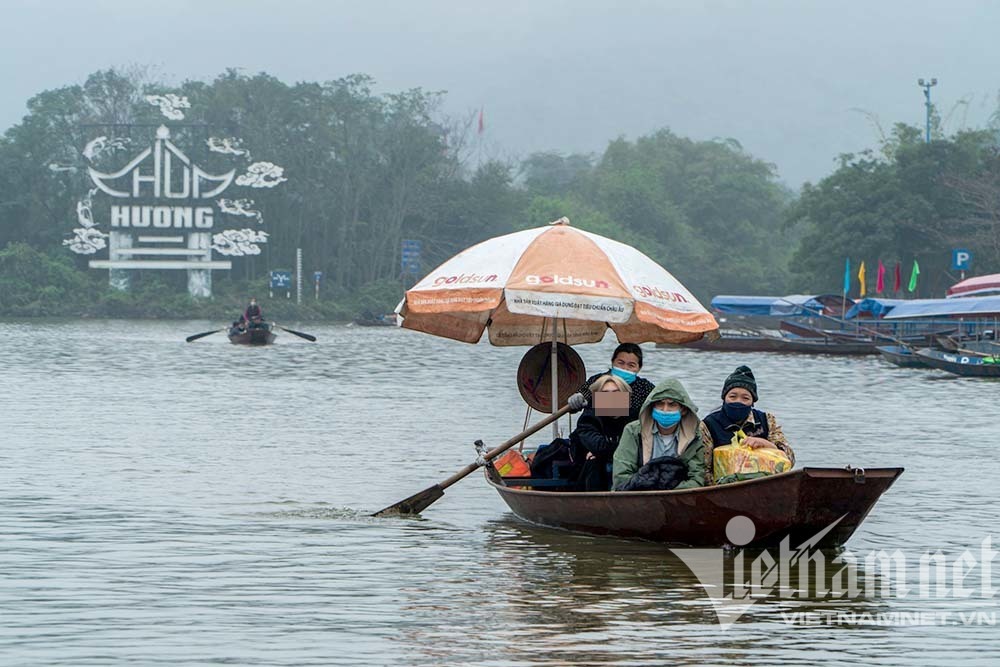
x=512, y=284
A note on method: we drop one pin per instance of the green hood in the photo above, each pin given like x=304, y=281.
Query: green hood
x=688, y=428
x=672, y=389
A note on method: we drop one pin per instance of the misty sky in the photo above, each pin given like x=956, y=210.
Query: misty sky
x=782, y=77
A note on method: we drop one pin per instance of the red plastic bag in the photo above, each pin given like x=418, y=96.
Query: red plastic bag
x=512, y=464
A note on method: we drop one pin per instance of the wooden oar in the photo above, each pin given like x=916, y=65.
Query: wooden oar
x=418, y=502
x=206, y=333
x=298, y=333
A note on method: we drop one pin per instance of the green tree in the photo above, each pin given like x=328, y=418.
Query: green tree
x=895, y=209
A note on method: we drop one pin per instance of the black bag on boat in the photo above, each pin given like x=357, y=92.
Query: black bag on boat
x=660, y=474
x=557, y=453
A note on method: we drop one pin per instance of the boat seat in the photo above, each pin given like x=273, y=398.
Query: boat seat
x=537, y=483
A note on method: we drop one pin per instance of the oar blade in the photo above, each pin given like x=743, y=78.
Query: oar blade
x=308, y=337
x=202, y=335
x=415, y=504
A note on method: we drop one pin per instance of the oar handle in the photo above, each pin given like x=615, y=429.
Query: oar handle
x=500, y=449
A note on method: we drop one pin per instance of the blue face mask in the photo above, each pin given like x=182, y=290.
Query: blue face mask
x=666, y=419
x=737, y=411
x=628, y=376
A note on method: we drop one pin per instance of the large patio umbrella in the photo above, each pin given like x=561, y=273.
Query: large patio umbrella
x=590, y=283
x=557, y=283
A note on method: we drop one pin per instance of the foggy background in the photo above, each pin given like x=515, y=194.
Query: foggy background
x=783, y=78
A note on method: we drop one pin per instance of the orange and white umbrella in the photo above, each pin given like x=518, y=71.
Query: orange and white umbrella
x=515, y=284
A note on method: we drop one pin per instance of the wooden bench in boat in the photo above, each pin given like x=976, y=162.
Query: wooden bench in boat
x=549, y=484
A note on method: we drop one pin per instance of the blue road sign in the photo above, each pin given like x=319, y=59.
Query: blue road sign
x=281, y=279
x=317, y=276
x=410, y=256
x=961, y=259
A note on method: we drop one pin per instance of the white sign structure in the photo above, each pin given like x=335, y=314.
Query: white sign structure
x=165, y=211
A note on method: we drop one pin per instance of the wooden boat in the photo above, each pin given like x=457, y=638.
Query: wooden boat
x=901, y=356
x=802, y=330
x=970, y=365
x=968, y=343
x=865, y=334
x=798, y=504
x=737, y=340
x=258, y=335
x=765, y=343
x=370, y=320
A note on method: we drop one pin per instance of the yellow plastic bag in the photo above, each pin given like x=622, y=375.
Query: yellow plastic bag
x=736, y=461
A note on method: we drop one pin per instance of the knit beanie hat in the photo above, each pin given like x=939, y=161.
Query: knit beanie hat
x=741, y=377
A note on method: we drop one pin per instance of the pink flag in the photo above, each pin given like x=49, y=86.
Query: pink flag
x=482, y=125
x=880, y=281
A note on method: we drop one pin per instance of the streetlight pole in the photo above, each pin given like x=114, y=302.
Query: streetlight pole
x=926, y=85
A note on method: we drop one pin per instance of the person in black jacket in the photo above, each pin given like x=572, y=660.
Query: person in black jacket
x=626, y=362
x=596, y=436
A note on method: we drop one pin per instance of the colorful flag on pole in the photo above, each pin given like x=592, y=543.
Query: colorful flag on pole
x=847, y=275
x=861, y=277
x=482, y=124
x=880, y=279
x=898, y=283
x=913, y=276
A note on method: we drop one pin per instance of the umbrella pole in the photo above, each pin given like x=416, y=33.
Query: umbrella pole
x=554, y=365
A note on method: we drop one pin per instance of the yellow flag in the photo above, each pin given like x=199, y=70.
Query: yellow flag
x=861, y=277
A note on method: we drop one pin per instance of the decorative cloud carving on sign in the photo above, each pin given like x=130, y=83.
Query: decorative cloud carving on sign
x=227, y=146
x=170, y=105
x=262, y=175
x=238, y=242
x=84, y=211
x=87, y=241
x=95, y=147
x=240, y=207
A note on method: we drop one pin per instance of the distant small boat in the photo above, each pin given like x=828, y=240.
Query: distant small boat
x=901, y=356
x=376, y=321
x=959, y=363
x=255, y=335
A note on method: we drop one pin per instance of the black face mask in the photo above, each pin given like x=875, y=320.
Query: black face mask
x=736, y=411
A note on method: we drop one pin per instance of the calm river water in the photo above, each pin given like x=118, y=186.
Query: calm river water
x=173, y=503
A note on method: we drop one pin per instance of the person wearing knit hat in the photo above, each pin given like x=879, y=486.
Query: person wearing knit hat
x=737, y=413
x=741, y=378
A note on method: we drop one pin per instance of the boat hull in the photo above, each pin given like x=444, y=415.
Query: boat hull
x=729, y=343
x=901, y=356
x=255, y=336
x=969, y=365
x=799, y=504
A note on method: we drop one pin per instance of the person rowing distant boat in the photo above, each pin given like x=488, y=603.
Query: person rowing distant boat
x=253, y=314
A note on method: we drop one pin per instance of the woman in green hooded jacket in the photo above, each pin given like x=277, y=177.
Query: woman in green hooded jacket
x=668, y=425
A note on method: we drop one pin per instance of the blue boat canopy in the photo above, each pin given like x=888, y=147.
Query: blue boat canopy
x=777, y=306
x=972, y=306
x=873, y=307
x=743, y=305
